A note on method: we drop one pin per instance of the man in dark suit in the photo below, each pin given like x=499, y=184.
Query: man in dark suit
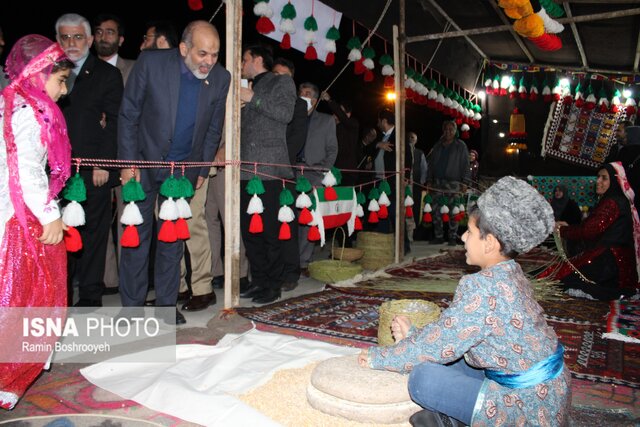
x=172, y=110
x=91, y=112
x=267, y=108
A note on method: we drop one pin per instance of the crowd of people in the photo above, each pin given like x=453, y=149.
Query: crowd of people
x=63, y=100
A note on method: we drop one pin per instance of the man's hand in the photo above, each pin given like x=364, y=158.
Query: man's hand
x=199, y=182
x=220, y=155
x=128, y=173
x=386, y=146
x=100, y=177
x=52, y=233
x=246, y=94
x=325, y=96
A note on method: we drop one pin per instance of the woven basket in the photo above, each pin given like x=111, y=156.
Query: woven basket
x=342, y=253
x=420, y=313
x=378, y=249
x=331, y=270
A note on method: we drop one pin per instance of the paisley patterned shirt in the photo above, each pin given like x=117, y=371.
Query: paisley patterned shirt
x=495, y=322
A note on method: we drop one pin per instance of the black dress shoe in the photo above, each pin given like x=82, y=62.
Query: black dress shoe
x=199, y=302
x=180, y=320
x=184, y=296
x=253, y=291
x=426, y=418
x=245, y=284
x=217, y=282
x=110, y=291
x=289, y=286
x=267, y=296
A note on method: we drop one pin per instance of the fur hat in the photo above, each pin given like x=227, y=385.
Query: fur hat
x=520, y=216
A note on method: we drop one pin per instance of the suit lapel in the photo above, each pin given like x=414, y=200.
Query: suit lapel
x=206, y=92
x=174, y=87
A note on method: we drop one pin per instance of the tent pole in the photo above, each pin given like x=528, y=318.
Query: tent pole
x=399, y=36
x=232, y=154
x=515, y=35
x=576, y=36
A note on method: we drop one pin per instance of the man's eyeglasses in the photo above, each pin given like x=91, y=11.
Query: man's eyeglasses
x=65, y=38
x=149, y=36
x=109, y=32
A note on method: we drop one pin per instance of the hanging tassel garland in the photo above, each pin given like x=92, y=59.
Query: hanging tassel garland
x=72, y=239
x=256, y=226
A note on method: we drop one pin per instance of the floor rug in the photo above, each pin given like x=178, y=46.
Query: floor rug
x=623, y=321
x=79, y=420
x=350, y=316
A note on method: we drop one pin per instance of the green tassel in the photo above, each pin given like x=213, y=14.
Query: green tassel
x=303, y=185
x=385, y=187
x=254, y=186
x=337, y=175
x=553, y=9
x=170, y=187
x=368, y=52
x=288, y=11
x=360, y=198
x=386, y=60
x=407, y=191
x=333, y=33
x=132, y=191
x=310, y=24
x=75, y=189
x=411, y=73
x=185, y=189
x=286, y=198
x=443, y=200
x=354, y=43
x=428, y=199
x=374, y=194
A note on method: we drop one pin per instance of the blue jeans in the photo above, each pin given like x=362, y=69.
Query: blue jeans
x=450, y=389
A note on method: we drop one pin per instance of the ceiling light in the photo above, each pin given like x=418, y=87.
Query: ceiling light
x=495, y=120
x=482, y=95
x=627, y=93
x=501, y=135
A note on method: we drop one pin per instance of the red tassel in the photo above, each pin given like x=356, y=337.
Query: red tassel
x=631, y=110
x=465, y=134
x=330, y=194
x=533, y=96
x=285, y=231
x=568, y=100
x=130, y=237
x=358, y=67
x=264, y=25
x=314, y=234
x=427, y=217
x=311, y=53
x=383, y=212
x=286, y=41
x=590, y=106
x=408, y=212
x=445, y=217
x=547, y=98
x=614, y=109
x=546, y=41
x=603, y=108
x=72, y=240
x=256, y=226
x=373, y=217
x=330, y=59
x=182, y=229
x=389, y=82
x=195, y=4
x=579, y=102
x=358, y=224
x=458, y=217
x=368, y=76
x=167, y=232
x=305, y=217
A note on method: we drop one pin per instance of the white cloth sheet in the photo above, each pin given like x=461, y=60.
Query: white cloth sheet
x=200, y=386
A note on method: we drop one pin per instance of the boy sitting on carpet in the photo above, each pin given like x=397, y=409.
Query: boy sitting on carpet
x=491, y=358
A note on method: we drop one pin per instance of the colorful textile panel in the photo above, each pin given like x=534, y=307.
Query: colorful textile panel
x=581, y=188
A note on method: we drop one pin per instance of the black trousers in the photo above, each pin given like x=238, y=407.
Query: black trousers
x=264, y=250
x=290, y=249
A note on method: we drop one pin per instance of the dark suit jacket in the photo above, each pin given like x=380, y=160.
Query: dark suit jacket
x=297, y=130
x=97, y=90
x=390, y=156
x=149, y=106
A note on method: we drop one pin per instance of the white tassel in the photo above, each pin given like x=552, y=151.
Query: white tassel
x=255, y=205
x=330, y=46
x=440, y=98
x=359, y=211
x=465, y=127
x=285, y=214
x=427, y=207
x=455, y=211
x=630, y=102
x=384, y=199
x=408, y=201
x=461, y=207
x=546, y=90
x=168, y=210
x=369, y=64
x=409, y=83
x=286, y=26
x=131, y=215
x=184, y=210
x=355, y=55
x=329, y=180
x=303, y=201
x=444, y=209
x=387, y=70
x=310, y=37
x=432, y=94
x=73, y=215
x=374, y=206
x=263, y=9
x=551, y=26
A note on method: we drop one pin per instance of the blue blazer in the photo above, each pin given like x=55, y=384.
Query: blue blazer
x=149, y=105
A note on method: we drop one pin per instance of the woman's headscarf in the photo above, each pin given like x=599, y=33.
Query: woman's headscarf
x=620, y=186
x=560, y=204
x=29, y=66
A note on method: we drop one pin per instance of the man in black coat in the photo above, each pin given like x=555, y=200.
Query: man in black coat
x=91, y=112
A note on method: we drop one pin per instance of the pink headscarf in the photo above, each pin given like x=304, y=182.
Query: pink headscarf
x=29, y=65
x=621, y=176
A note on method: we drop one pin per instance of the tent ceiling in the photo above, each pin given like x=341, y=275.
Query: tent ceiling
x=610, y=45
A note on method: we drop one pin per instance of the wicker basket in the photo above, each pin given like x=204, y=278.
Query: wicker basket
x=342, y=253
x=378, y=249
x=420, y=313
x=331, y=270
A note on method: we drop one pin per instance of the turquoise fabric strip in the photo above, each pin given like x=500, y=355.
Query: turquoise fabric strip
x=545, y=370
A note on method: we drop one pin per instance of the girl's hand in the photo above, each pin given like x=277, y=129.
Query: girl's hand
x=52, y=233
x=400, y=326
